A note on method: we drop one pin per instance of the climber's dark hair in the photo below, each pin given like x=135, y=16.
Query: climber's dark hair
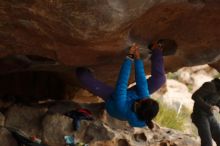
x=147, y=110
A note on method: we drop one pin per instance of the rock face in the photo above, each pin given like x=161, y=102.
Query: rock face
x=6, y=138
x=182, y=84
x=55, y=127
x=51, y=127
x=41, y=43
x=177, y=95
x=26, y=118
x=94, y=33
x=2, y=119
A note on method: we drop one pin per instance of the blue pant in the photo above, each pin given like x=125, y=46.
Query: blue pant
x=104, y=91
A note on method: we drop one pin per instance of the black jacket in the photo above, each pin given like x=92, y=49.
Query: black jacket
x=205, y=97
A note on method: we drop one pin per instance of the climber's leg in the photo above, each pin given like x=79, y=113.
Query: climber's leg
x=157, y=78
x=93, y=85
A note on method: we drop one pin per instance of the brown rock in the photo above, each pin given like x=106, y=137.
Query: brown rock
x=95, y=33
x=51, y=127
x=55, y=127
x=140, y=137
x=6, y=139
x=123, y=142
x=97, y=132
x=5, y=104
x=103, y=143
x=31, y=86
x=63, y=107
x=2, y=119
x=25, y=118
x=117, y=124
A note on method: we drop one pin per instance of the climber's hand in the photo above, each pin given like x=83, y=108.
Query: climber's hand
x=137, y=54
x=133, y=48
x=214, y=108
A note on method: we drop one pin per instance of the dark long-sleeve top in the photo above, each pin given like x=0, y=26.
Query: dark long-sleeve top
x=205, y=97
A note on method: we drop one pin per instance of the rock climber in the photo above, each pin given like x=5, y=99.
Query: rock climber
x=133, y=105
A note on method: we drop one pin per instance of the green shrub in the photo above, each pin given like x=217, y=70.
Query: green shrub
x=217, y=76
x=172, y=75
x=190, y=87
x=167, y=117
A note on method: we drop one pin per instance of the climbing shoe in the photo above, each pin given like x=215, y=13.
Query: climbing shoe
x=168, y=46
x=80, y=71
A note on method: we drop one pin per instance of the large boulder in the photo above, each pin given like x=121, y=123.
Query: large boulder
x=94, y=33
x=41, y=42
x=26, y=118
x=96, y=131
x=2, y=119
x=177, y=95
x=6, y=138
x=40, y=39
x=51, y=127
x=55, y=127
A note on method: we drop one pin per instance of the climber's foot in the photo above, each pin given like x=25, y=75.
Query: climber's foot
x=168, y=46
x=83, y=70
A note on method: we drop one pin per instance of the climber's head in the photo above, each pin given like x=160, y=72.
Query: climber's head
x=146, y=110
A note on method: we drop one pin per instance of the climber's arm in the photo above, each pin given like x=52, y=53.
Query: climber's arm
x=199, y=95
x=120, y=93
x=141, y=82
